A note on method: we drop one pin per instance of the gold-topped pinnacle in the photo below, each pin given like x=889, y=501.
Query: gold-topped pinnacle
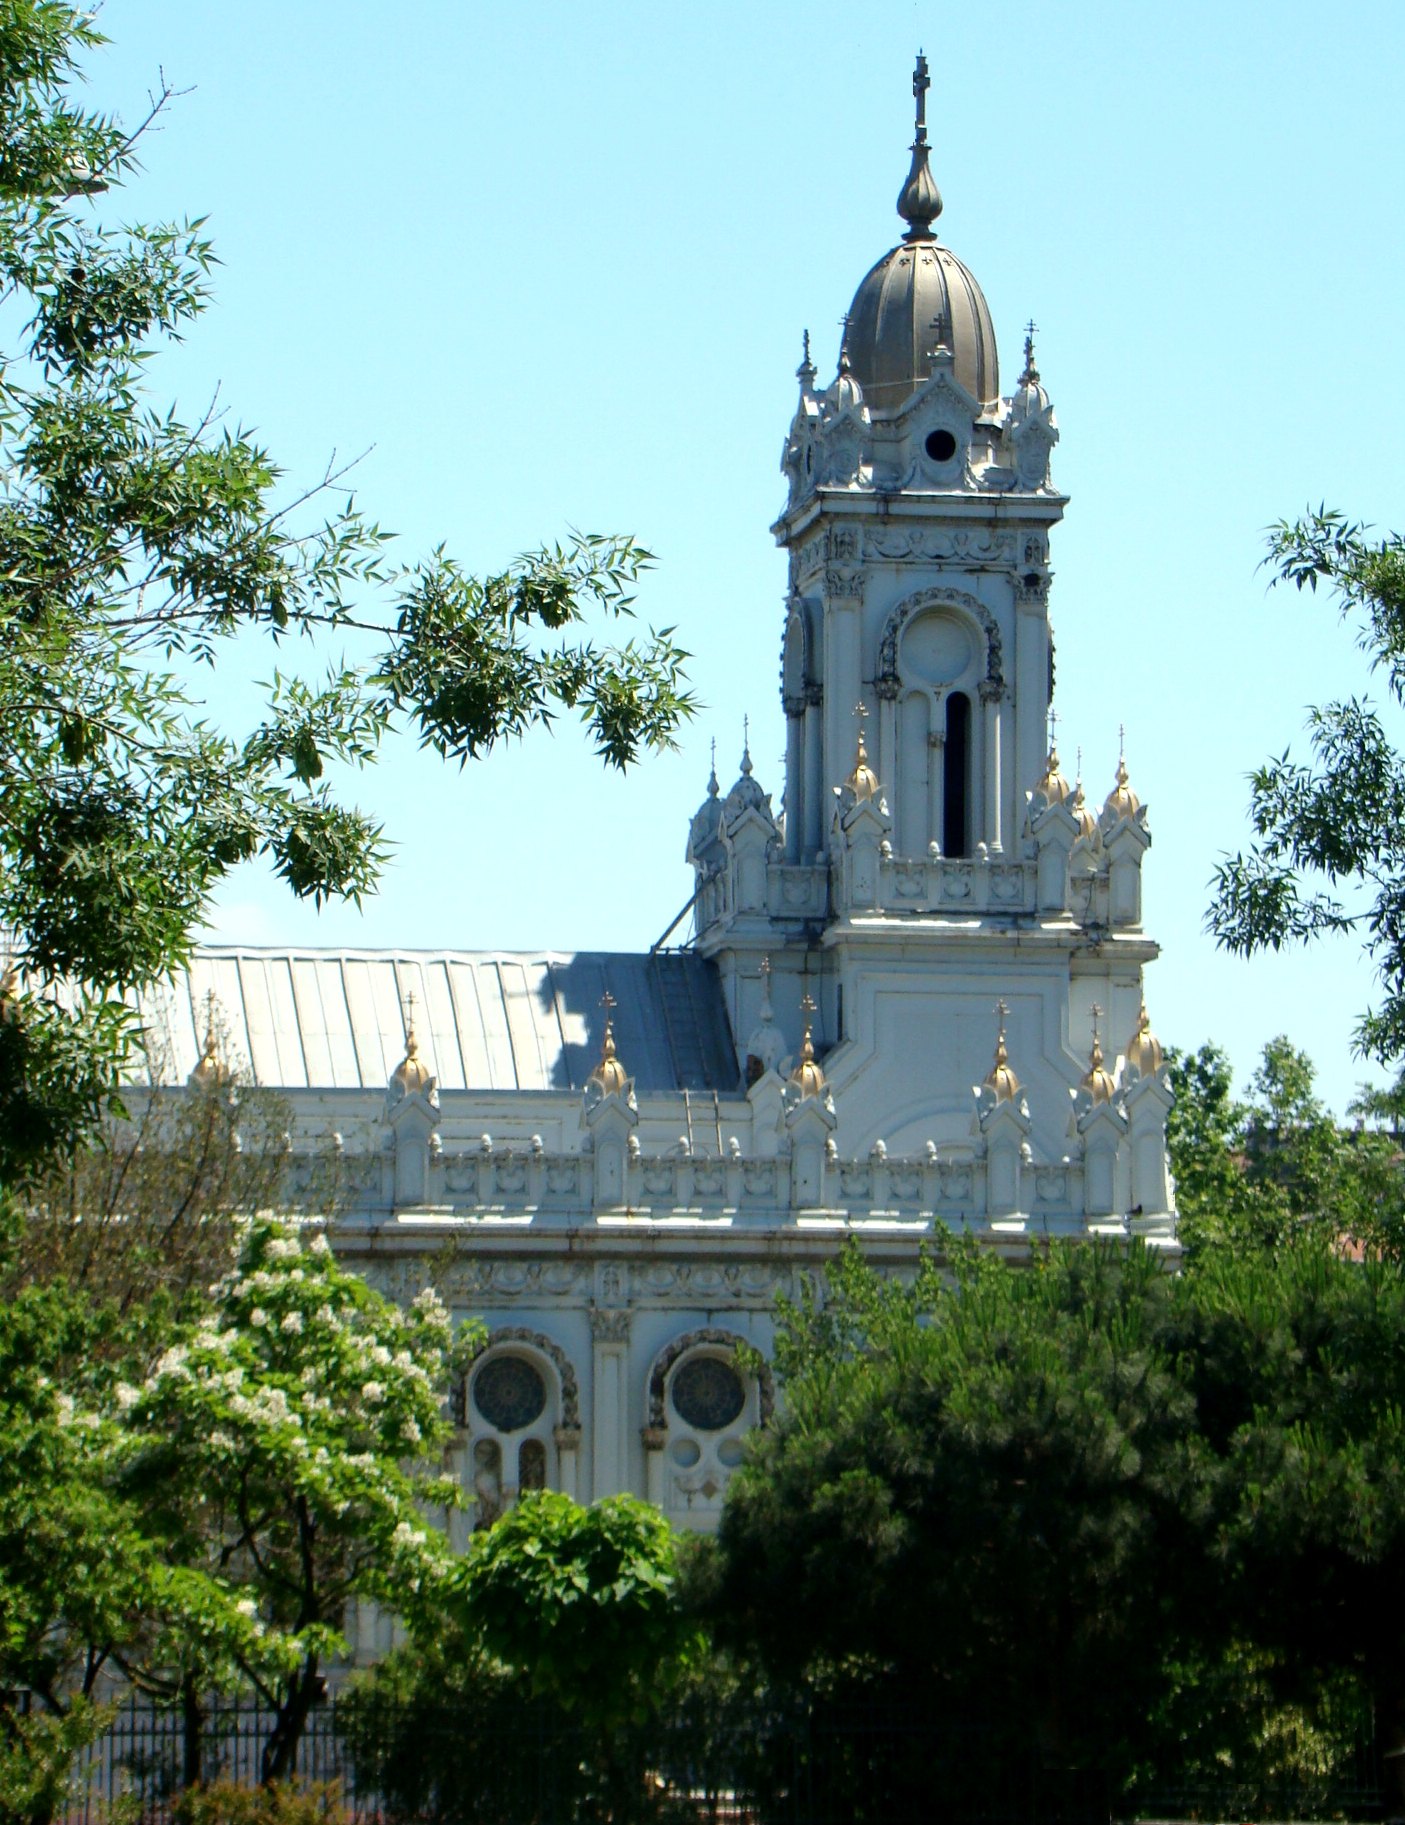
x=209, y=1072
x=1000, y=1079
x=807, y=1077
x=1097, y=1081
x=609, y=1076
x=1121, y=801
x=1144, y=1049
x=863, y=781
x=412, y=1074
x=1054, y=787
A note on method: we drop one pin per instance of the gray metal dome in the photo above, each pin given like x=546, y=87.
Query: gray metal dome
x=915, y=297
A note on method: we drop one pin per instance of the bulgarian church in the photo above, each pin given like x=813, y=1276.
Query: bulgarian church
x=911, y=1001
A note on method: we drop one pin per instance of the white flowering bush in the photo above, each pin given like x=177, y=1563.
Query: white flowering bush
x=292, y=1440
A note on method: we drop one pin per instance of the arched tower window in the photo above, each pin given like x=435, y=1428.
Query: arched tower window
x=956, y=809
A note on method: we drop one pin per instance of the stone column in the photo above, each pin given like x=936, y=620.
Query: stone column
x=814, y=776
x=936, y=779
x=655, y=1440
x=568, y=1447
x=843, y=688
x=609, y=1402
x=990, y=717
x=794, y=781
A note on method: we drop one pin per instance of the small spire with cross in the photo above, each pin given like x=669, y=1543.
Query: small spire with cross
x=919, y=200
x=1000, y=1079
x=805, y=373
x=1031, y=373
x=746, y=744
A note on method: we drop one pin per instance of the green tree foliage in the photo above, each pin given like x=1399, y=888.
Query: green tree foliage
x=970, y=1498
x=1253, y=1173
x=135, y=547
x=581, y=1601
x=1329, y=848
x=1151, y=1522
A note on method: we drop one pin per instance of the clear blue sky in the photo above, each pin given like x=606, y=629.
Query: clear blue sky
x=550, y=266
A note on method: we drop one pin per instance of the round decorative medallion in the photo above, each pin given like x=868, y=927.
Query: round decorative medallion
x=708, y=1393
x=509, y=1393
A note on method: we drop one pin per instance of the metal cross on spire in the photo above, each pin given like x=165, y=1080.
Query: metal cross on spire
x=1053, y=728
x=921, y=82
x=1031, y=330
x=409, y=1010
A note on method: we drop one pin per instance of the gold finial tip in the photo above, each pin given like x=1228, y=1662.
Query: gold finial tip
x=1000, y=1080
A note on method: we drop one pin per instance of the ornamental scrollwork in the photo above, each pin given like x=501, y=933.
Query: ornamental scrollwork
x=941, y=598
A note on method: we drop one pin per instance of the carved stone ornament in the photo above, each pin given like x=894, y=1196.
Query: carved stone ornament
x=940, y=598
x=508, y=1334
x=692, y=1340
x=705, y=1282
x=917, y=546
x=610, y=1327
x=844, y=585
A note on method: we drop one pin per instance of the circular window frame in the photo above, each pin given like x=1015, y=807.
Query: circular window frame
x=688, y=1367
x=486, y=1366
x=941, y=435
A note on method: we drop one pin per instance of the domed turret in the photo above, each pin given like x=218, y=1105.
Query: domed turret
x=917, y=297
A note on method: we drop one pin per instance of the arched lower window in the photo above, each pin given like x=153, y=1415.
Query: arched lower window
x=511, y=1409
x=531, y=1465
x=956, y=782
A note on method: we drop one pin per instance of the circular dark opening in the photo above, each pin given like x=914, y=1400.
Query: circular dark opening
x=508, y=1392
x=708, y=1393
x=941, y=446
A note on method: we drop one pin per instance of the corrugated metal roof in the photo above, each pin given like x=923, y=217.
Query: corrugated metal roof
x=316, y=1019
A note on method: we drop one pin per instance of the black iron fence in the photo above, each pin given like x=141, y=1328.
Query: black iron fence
x=761, y=1767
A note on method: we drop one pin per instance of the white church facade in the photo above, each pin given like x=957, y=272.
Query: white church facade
x=911, y=1003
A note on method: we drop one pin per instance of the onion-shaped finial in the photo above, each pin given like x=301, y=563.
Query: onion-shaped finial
x=919, y=200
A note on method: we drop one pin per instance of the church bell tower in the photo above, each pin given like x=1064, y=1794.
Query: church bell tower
x=932, y=860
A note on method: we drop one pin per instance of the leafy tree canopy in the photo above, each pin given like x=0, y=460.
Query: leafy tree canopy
x=135, y=546
x=1252, y=1173
x=582, y=1601
x=1143, y=1517
x=1329, y=848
